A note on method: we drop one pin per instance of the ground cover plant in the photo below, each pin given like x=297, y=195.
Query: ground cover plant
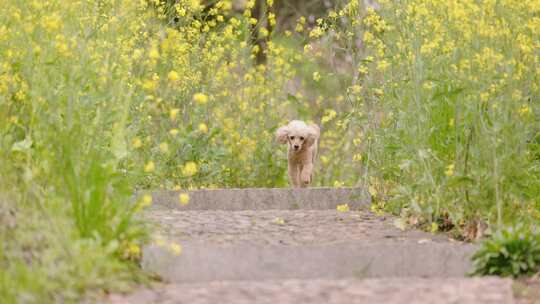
x=511, y=252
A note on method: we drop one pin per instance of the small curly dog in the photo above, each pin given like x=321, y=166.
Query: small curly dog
x=302, y=150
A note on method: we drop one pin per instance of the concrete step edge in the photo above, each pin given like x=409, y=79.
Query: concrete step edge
x=206, y=262
x=262, y=198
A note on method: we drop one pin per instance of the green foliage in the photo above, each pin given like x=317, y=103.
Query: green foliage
x=512, y=251
x=99, y=99
x=454, y=110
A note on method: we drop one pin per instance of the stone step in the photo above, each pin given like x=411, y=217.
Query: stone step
x=388, y=290
x=297, y=244
x=205, y=263
x=264, y=198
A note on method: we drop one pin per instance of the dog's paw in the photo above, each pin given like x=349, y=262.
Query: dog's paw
x=306, y=179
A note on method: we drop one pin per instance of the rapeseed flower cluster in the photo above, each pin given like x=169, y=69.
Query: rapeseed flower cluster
x=459, y=79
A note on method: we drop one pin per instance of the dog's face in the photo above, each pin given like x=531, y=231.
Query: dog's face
x=297, y=140
x=297, y=134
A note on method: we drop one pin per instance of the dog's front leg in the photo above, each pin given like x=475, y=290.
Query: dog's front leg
x=305, y=175
x=294, y=173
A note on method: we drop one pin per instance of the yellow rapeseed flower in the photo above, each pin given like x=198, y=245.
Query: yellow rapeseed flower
x=329, y=115
x=164, y=147
x=203, y=128
x=316, y=76
x=173, y=113
x=176, y=249
x=183, y=198
x=382, y=65
x=149, y=167
x=338, y=184
x=524, y=109
x=154, y=53
x=173, y=76
x=449, y=170
x=137, y=143
x=189, y=169
x=324, y=160
x=342, y=208
x=200, y=98
x=133, y=250
x=146, y=200
x=173, y=132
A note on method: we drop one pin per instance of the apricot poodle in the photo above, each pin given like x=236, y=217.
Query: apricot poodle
x=302, y=142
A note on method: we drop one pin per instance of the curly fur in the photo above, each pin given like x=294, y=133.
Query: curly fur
x=302, y=140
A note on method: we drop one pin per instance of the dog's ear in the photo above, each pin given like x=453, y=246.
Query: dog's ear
x=313, y=135
x=281, y=135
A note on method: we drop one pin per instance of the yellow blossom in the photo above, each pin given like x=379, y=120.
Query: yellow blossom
x=173, y=76
x=449, y=170
x=183, y=198
x=133, y=251
x=146, y=200
x=173, y=113
x=154, y=53
x=356, y=89
x=342, y=208
x=203, y=128
x=382, y=65
x=200, y=98
x=524, y=109
x=173, y=132
x=329, y=115
x=264, y=32
x=149, y=167
x=338, y=184
x=137, y=143
x=316, y=76
x=189, y=169
x=176, y=249
x=324, y=160
x=164, y=147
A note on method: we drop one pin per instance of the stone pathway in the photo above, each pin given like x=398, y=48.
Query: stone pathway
x=243, y=250
x=388, y=290
x=281, y=227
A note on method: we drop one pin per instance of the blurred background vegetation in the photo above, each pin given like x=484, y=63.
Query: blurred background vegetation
x=432, y=105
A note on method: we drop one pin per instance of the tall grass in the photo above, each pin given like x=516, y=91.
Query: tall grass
x=453, y=89
x=101, y=98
